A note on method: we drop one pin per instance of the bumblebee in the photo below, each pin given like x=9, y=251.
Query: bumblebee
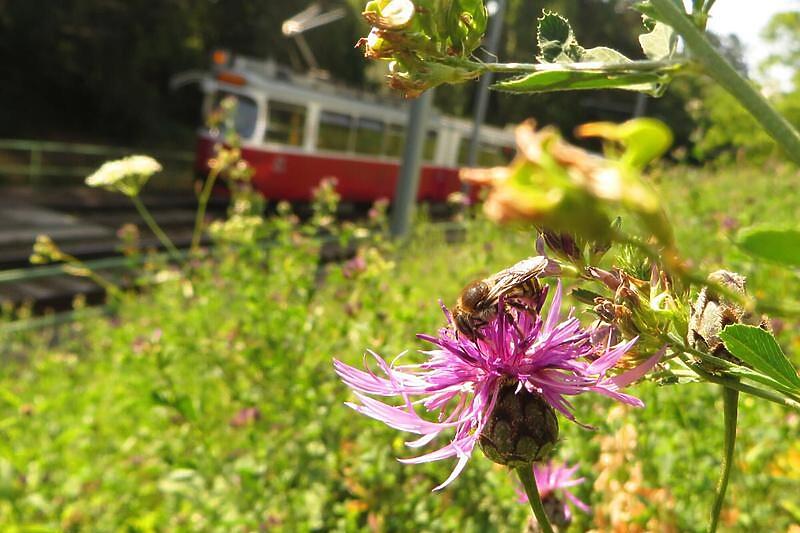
x=478, y=302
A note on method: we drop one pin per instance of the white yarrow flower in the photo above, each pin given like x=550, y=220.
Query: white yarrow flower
x=127, y=175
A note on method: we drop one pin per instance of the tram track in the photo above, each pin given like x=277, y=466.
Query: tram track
x=89, y=232
x=85, y=226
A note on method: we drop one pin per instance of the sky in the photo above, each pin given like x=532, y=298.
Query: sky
x=746, y=19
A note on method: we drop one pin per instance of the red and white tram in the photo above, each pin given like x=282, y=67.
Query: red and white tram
x=297, y=130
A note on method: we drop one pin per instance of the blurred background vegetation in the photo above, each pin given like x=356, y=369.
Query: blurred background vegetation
x=208, y=402
x=98, y=70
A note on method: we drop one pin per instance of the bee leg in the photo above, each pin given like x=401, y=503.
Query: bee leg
x=520, y=306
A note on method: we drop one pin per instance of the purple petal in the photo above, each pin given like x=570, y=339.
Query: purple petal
x=637, y=373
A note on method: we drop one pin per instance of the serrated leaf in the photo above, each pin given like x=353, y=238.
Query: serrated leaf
x=660, y=43
x=759, y=349
x=779, y=245
x=566, y=79
x=557, y=42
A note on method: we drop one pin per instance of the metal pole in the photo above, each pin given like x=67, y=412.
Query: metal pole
x=482, y=98
x=641, y=105
x=405, y=195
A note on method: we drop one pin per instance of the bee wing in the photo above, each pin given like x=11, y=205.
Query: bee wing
x=515, y=275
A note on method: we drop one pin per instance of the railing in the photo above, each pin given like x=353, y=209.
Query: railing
x=38, y=163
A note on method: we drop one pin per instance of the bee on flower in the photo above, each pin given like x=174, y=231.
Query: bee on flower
x=500, y=389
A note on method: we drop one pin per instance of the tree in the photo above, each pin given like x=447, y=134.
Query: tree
x=783, y=32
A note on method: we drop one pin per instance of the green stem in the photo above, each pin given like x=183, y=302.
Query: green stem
x=737, y=371
x=202, y=203
x=723, y=73
x=733, y=383
x=730, y=399
x=155, y=228
x=75, y=267
x=525, y=474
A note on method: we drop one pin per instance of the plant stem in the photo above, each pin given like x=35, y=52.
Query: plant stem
x=202, y=203
x=733, y=383
x=525, y=474
x=155, y=228
x=730, y=368
x=730, y=399
x=723, y=73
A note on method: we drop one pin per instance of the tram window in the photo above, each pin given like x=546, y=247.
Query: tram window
x=488, y=155
x=429, y=148
x=369, y=136
x=334, y=131
x=244, y=122
x=395, y=138
x=286, y=123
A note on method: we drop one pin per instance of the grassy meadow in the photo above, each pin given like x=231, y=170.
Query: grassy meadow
x=209, y=402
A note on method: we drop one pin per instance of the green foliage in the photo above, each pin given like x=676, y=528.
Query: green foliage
x=725, y=130
x=759, y=348
x=556, y=40
x=779, y=245
x=660, y=43
x=558, y=45
x=782, y=31
x=566, y=80
x=98, y=69
x=208, y=403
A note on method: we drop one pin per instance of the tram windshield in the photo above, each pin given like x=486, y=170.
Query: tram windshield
x=244, y=121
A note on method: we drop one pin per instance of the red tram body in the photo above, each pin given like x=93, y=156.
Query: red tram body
x=297, y=131
x=291, y=175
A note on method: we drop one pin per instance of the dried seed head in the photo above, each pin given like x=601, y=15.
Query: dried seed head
x=521, y=429
x=711, y=313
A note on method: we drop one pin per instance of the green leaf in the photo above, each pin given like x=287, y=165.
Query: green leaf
x=759, y=348
x=567, y=79
x=779, y=245
x=602, y=54
x=557, y=42
x=660, y=43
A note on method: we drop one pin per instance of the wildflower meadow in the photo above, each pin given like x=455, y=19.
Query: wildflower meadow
x=605, y=340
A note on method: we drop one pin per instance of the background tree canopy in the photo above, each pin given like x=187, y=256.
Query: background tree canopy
x=97, y=70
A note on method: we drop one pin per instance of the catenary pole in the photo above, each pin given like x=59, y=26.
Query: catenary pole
x=408, y=181
x=497, y=13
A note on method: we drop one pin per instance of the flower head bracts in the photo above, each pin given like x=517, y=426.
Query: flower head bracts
x=461, y=378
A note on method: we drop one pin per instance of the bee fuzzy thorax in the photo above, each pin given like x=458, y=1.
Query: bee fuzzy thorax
x=517, y=285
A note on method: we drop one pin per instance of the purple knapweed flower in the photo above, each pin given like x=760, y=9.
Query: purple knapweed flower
x=554, y=481
x=461, y=379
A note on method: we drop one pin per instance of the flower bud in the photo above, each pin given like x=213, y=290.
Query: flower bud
x=521, y=429
x=391, y=15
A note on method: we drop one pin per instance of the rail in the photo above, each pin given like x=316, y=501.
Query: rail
x=30, y=162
